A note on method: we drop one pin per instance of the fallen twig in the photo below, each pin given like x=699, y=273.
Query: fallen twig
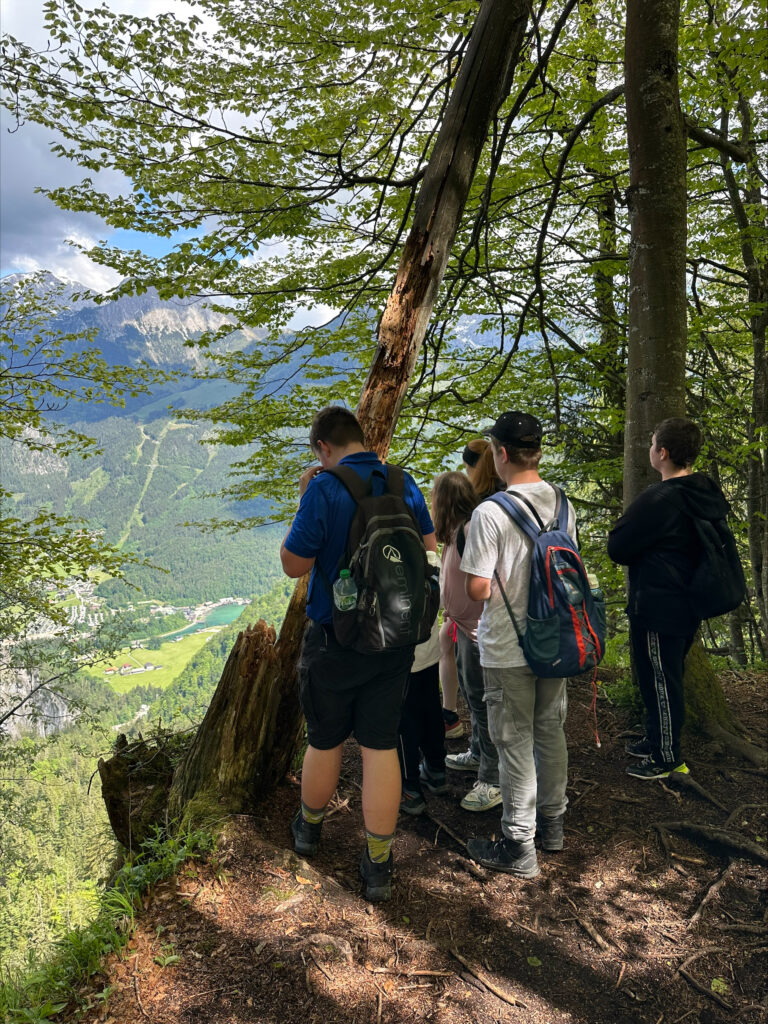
x=664, y=840
x=411, y=974
x=671, y=792
x=588, y=928
x=621, y=974
x=320, y=968
x=138, y=997
x=703, y=989
x=338, y=805
x=688, y=860
x=585, y=792
x=499, y=993
x=711, y=892
x=474, y=869
x=449, y=831
x=520, y=924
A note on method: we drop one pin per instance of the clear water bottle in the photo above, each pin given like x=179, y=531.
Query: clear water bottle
x=345, y=592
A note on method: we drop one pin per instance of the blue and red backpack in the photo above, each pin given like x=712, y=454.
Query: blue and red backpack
x=565, y=630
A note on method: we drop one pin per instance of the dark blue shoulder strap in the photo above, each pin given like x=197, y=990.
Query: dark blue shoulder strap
x=515, y=513
x=561, y=507
x=513, y=510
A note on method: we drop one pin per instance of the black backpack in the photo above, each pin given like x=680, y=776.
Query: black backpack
x=398, y=591
x=717, y=585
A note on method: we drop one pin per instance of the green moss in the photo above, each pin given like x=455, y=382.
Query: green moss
x=704, y=697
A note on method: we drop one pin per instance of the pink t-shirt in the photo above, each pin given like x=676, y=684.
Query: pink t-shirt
x=462, y=609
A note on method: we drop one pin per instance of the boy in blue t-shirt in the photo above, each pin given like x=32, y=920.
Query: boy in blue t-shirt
x=345, y=692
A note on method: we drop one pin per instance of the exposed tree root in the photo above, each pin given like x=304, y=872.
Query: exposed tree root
x=685, y=783
x=751, y=751
x=732, y=843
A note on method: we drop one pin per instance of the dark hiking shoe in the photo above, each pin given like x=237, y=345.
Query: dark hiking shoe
x=377, y=878
x=640, y=748
x=513, y=858
x=650, y=769
x=550, y=832
x=306, y=835
x=434, y=780
x=412, y=802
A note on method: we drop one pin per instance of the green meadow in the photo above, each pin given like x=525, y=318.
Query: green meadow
x=172, y=656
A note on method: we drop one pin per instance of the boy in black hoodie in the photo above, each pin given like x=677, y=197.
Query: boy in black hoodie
x=656, y=538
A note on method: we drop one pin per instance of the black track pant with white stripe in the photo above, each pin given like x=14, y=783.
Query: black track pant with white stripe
x=659, y=661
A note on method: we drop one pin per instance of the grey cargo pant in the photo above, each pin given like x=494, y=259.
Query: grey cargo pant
x=526, y=720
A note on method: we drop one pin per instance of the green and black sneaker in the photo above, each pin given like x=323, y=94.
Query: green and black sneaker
x=650, y=769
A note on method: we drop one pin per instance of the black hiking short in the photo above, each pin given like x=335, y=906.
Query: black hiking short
x=344, y=693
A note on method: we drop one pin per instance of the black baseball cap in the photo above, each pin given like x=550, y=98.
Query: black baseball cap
x=519, y=429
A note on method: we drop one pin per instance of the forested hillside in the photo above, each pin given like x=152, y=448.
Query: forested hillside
x=56, y=847
x=149, y=480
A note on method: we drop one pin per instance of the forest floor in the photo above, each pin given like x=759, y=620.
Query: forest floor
x=625, y=925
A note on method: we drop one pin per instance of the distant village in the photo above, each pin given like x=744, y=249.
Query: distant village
x=88, y=612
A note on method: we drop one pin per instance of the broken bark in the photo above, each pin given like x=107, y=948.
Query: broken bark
x=135, y=782
x=253, y=725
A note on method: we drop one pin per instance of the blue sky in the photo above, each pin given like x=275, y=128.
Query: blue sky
x=34, y=234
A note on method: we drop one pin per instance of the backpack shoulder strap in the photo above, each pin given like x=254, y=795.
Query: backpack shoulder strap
x=561, y=507
x=352, y=481
x=395, y=480
x=516, y=514
x=461, y=538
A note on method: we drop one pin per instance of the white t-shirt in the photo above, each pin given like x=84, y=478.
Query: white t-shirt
x=428, y=653
x=495, y=543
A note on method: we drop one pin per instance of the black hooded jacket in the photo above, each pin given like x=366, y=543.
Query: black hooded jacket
x=655, y=537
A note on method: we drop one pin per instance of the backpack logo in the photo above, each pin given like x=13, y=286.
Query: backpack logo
x=391, y=553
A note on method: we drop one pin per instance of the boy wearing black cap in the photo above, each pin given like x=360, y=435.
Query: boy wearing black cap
x=526, y=714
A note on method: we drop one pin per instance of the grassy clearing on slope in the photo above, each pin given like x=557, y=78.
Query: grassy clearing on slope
x=172, y=656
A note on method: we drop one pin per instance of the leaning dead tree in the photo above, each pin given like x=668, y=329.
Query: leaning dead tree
x=250, y=733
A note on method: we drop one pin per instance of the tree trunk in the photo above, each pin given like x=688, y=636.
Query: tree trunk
x=656, y=330
x=253, y=725
x=751, y=218
x=251, y=732
x=657, y=324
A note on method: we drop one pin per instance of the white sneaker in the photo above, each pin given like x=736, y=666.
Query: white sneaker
x=464, y=762
x=482, y=797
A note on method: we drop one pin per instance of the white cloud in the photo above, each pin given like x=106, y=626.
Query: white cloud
x=33, y=231
x=314, y=317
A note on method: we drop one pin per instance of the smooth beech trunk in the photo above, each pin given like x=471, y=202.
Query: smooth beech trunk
x=657, y=325
x=251, y=732
x=656, y=135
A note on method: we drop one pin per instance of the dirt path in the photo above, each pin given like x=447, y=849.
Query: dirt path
x=614, y=931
